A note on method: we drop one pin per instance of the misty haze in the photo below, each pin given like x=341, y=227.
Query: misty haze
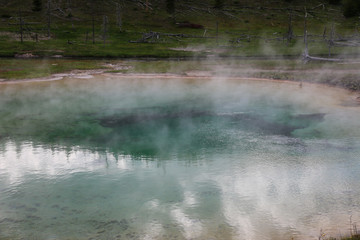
x=170, y=120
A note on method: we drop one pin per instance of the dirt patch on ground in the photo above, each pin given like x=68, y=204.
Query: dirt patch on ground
x=117, y=66
x=27, y=36
x=26, y=55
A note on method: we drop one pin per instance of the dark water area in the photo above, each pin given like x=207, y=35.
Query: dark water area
x=123, y=158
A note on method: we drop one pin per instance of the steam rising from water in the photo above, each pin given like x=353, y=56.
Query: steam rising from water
x=112, y=157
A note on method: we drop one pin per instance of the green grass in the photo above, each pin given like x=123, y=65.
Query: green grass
x=35, y=68
x=271, y=21
x=354, y=237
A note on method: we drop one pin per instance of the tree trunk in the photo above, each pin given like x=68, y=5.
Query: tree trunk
x=93, y=29
x=290, y=30
x=49, y=17
x=217, y=33
x=21, y=27
x=306, y=53
x=118, y=16
x=105, y=28
x=331, y=41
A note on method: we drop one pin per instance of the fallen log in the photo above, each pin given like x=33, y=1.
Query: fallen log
x=307, y=58
x=189, y=25
x=154, y=36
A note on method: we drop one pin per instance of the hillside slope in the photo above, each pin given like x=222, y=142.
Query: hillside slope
x=134, y=28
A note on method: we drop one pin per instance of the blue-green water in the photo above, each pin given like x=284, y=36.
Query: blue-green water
x=125, y=158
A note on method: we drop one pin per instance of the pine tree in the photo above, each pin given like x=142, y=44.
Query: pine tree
x=351, y=8
x=334, y=2
x=37, y=5
x=170, y=6
x=219, y=4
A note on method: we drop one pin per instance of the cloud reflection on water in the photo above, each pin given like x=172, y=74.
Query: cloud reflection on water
x=190, y=177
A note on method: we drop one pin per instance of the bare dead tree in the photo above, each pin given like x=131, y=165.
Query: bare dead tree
x=21, y=24
x=217, y=33
x=93, y=29
x=306, y=56
x=69, y=10
x=118, y=16
x=331, y=40
x=24, y=27
x=290, y=33
x=48, y=17
x=95, y=9
x=105, y=28
x=306, y=53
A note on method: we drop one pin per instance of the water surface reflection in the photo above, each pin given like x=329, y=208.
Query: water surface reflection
x=109, y=158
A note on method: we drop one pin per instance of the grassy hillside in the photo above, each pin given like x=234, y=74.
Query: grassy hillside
x=196, y=28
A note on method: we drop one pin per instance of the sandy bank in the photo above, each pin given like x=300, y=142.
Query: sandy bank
x=353, y=101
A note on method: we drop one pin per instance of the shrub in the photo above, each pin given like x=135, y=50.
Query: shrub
x=5, y=15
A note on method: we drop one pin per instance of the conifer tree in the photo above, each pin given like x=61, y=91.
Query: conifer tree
x=351, y=8
x=219, y=4
x=37, y=5
x=170, y=6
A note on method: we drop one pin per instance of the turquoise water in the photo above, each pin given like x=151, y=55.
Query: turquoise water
x=130, y=158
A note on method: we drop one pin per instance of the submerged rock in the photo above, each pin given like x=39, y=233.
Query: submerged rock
x=311, y=116
x=249, y=121
x=258, y=123
x=118, y=121
x=33, y=217
x=31, y=209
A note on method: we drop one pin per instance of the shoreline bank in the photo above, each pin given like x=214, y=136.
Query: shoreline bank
x=342, y=75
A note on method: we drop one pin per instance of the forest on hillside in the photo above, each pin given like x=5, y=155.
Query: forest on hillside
x=72, y=8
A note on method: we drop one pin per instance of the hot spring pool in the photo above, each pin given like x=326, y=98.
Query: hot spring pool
x=151, y=158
